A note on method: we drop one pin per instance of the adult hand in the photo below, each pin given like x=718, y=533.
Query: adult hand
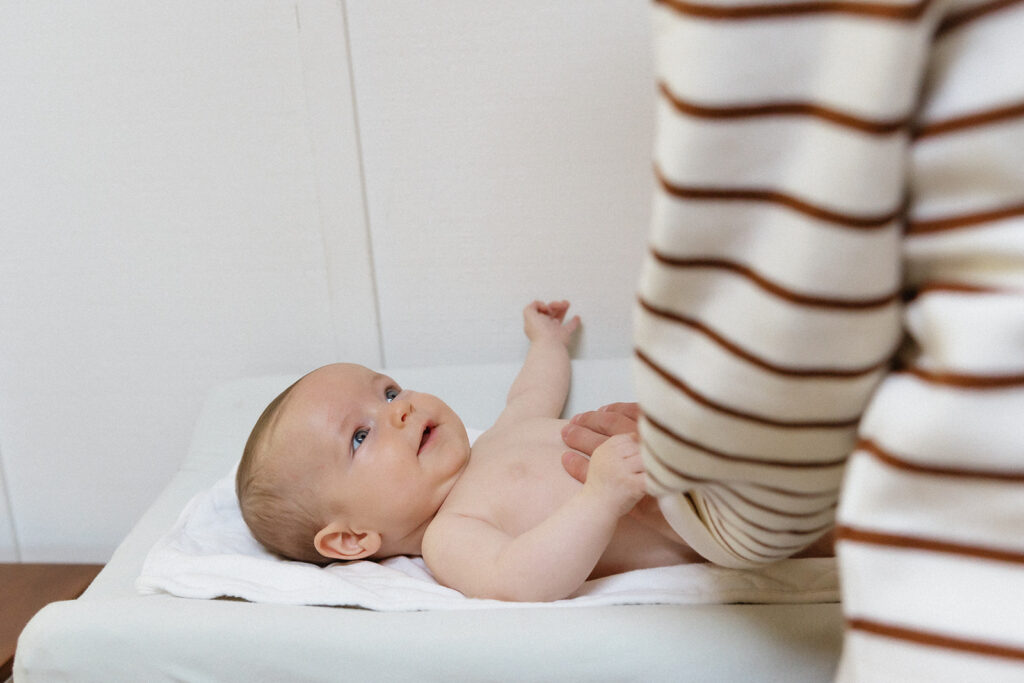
x=586, y=431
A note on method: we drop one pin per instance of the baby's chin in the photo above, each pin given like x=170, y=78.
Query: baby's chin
x=462, y=437
x=458, y=426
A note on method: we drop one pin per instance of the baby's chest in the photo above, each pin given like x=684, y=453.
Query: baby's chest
x=518, y=480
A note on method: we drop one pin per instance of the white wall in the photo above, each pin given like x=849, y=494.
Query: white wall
x=196, y=191
x=507, y=157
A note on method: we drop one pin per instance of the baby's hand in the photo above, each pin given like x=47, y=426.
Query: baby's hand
x=616, y=472
x=545, y=320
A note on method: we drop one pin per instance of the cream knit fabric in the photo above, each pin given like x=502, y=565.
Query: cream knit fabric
x=832, y=311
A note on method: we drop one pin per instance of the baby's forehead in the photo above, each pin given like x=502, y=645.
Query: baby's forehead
x=302, y=441
x=342, y=376
x=328, y=395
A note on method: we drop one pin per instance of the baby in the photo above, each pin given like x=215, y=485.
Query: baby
x=346, y=465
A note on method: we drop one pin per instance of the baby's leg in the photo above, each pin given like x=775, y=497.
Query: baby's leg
x=649, y=514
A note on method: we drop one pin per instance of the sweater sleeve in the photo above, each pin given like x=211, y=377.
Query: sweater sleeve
x=769, y=304
x=831, y=311
x=931, y=518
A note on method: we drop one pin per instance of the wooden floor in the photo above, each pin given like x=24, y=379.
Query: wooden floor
x=27, y=588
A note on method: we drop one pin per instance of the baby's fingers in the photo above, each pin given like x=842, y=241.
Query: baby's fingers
x=625, y=448
x=557, y=309
x=621, y=454
x=536, y=307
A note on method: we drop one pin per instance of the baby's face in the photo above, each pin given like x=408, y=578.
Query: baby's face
x=386, y=456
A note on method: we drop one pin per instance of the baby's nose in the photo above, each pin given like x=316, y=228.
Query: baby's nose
x=400, y=409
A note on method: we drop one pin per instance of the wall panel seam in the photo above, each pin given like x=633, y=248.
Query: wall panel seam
x=374, y=289
x=5, y=491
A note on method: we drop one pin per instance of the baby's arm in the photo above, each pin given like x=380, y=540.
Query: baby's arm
x=541, y=387
x=554, y=558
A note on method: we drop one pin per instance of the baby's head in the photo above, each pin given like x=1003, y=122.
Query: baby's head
x=345, y=465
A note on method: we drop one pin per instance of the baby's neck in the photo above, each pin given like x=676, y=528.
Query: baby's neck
x=412, y=543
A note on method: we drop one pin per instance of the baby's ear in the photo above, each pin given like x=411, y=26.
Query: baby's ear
x=339, y=542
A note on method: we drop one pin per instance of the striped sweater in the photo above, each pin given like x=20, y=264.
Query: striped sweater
x=830, y=324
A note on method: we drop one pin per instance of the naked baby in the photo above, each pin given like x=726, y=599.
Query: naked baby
x=347, y=465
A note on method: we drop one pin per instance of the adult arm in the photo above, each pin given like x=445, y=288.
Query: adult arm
x=768, y=309
x=769, y=302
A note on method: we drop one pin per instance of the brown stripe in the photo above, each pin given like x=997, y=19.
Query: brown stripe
x=772, y=197
x=771, y=509
x=772, y=288
x=739, y=12
x=833, y=493
x=742, y=459
x=723, y=521
x=964, y=221
x=952, y=288
x=870, y=447
x=772, y=530
x=847, y=533
x=718, y=523
x=730, y=483
x=737, y=350
x=783, y=109
x=726, y=486
x=844, y=423
x=729, y=539
x=971, y=121
x=956, y=20
x=965, y=381
x=977, y=647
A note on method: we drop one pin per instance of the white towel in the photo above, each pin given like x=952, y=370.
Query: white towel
x=209, y=553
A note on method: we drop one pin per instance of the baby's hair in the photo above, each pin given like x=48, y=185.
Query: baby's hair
x=271, y=506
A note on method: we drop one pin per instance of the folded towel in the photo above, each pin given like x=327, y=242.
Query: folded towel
x=210, y=553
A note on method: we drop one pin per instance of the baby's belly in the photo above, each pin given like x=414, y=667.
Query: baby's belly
x=635, y=546
x=526, y=482
x=520, y=476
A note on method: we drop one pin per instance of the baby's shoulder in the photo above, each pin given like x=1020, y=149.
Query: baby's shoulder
x=517, y=429
x=456, y=530
x=481, y=490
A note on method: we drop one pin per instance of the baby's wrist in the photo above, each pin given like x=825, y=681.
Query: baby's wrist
x=549, y=339
x=604, y=502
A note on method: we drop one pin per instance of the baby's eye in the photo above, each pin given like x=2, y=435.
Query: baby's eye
x=391, y=394
x=359, y=437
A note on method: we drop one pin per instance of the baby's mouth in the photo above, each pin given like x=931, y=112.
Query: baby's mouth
x=428, y=429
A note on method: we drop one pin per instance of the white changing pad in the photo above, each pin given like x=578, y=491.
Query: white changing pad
x=112, y=633
x=210, y=553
